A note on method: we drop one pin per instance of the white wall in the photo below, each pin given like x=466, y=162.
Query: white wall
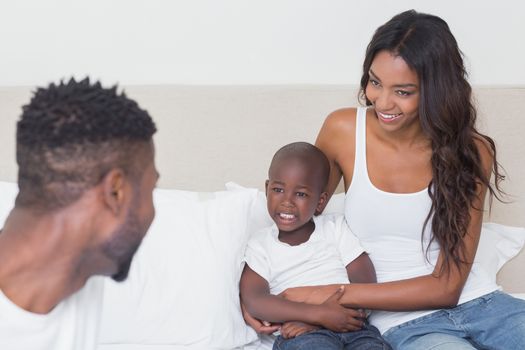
x=237, y=41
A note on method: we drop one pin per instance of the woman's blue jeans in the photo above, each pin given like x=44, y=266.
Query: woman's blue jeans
x=495, y=321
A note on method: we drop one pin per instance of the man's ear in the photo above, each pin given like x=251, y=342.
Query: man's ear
x=321, y=204
x=113, y=187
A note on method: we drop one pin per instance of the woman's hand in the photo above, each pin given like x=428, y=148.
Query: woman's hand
x=261, y=327
x=332, y=315
x=337, y=318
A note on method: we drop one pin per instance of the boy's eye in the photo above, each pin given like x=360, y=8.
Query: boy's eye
x=301, y=194
x=277, y=189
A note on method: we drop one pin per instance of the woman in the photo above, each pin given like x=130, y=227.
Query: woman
x=416, y=172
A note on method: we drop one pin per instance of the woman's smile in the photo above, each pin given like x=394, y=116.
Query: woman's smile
x=387, y=118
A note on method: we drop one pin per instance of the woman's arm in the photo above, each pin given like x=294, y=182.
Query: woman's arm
x=434, y=291
x=337, y=141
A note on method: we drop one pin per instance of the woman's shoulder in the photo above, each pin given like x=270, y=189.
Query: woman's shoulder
x=338, y=130
x=337, y=139
x=343, y=117
x=340, y=122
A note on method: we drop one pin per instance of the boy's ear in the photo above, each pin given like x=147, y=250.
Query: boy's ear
x=113, y=188
x=266, y=187
x=321, y=204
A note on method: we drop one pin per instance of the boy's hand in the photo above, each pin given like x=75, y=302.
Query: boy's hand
x=261, y=327
x=337, y=318
x=295, y=328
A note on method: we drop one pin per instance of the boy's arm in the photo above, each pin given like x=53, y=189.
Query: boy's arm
x=359, y=267
x=361, y=270
x=261, y=327
x=255, y=294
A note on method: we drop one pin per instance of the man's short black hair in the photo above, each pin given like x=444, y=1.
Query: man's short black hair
x=70, y=135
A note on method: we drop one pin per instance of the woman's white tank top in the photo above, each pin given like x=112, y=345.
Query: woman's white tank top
x=390, y=228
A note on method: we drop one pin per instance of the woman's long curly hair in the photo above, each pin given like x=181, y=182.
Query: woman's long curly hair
x=448, y=118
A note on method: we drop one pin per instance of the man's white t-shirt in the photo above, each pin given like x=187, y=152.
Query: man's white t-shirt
x=72, y=325
x=320, y=260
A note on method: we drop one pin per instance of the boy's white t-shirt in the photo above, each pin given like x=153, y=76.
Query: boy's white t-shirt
x=320, y=260
x=72, y=325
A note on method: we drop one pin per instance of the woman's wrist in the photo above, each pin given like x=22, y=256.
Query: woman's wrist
x=322, y=293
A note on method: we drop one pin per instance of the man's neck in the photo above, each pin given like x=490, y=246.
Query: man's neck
x=40, y=265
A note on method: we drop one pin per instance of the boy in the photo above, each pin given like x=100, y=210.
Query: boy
x=304, y=250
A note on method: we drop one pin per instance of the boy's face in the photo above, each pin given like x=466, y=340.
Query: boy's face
x=294, y=193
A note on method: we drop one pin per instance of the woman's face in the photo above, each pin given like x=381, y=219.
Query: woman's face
x=393, y=89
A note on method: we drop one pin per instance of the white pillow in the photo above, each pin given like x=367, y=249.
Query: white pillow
x=183, y=283
x=259, y=217
x=497, y=245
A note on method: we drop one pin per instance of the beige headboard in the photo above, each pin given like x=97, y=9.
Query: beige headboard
x=209, y=135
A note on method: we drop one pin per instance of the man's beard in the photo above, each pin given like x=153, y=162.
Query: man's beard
x=122, y=246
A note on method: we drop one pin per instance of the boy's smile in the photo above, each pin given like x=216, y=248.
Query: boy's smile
x=287, y=217
x=285, y=221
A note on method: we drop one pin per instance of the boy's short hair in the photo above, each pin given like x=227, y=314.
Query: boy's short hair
x=307, y=153
x=70, y=135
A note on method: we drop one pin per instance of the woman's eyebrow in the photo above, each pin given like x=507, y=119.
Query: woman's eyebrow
x=408, y=85
x=371, y=72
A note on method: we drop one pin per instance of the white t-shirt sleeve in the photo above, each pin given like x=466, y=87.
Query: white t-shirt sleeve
x=257, y=258
x=349, y=246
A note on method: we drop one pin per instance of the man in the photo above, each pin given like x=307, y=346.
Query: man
x=86, y=176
